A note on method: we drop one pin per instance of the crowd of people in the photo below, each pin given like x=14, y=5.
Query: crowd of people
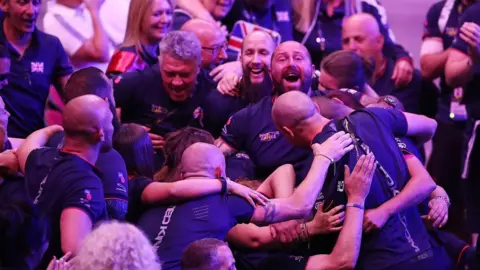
x=237, y=134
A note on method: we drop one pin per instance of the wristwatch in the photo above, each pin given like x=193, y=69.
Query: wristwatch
x=390, y=101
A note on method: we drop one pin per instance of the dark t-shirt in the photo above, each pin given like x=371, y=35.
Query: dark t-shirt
x=141, y=97
x=136, y=207
x=172, y=228
x=252, y=130
x=113, y=175
x=409, y=95
x=389, y=246
x=29, y=81
x=432, y=30
x=57, y=181
x=471, y=94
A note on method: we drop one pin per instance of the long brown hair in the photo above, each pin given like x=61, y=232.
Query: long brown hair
x=175, y=144
x=137, y=12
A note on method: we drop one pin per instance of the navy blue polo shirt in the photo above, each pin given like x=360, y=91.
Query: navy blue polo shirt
x=279, y=17
x=218, y=109
x=330, y=28
x=471, y=94
x=29, y=81
x=172, y=228
x=143, y=100
x=432, y=30
x=408, y=95
x=56, y=181
x=389, y=246
x=252, y=131
x=114, y=174
x=12, y=190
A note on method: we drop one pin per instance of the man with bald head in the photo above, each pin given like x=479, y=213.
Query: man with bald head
x=214, y=44
x=394, y=232
x=251, y=130
x=214, y=215
x=361, y=34
x=63, y=183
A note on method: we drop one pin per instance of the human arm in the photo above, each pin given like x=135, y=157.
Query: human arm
x=418, y=187
x=420, y=127
x=96, y=48
x=279, y=184
x=433, y=58
x=438, y=205
x=36, y=140
x=300, y=203
x=158, y=192
x=219, y=72
x=233, y=133
x=75, y=226
x=347, y=248
x=196, y=8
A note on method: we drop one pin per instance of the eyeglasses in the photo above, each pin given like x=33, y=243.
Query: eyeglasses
x=216, y=49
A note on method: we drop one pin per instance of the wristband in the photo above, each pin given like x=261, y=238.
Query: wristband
x=356, y=205
x=224, y=184
x=443, y=198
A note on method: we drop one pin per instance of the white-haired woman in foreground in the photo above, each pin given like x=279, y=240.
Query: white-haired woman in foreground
x=111, y=246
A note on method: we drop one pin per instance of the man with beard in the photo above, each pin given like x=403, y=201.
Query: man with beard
x=38, y=60
x=169, y=96
x=395, y=236
x=63, y=183
x=361, y=34
x=213, y=42
x=252, y=130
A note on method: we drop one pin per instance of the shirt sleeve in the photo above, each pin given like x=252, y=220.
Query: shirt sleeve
x=233, y=133
x=86, y=195
x=30, y=164
x=394, y=120
x=240, y=210
x=430, y=27
x=63, y=66
x=470, y=15
x=123, y=89
x=56, y=25
x=136, y=186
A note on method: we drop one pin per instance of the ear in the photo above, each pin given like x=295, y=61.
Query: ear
x=317, y=107
x=100, y=135
x=338, y=100
x=288, y=131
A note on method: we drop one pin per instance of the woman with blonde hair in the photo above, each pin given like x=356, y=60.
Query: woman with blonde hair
x=115, y=245
x=148, y=22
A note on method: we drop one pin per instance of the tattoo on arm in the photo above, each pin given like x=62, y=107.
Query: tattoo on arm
x=269, y=216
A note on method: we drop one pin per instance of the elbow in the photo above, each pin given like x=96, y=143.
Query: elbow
x=345, y=262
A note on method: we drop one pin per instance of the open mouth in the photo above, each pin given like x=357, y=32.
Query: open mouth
x=256, y=71
x=292, y=77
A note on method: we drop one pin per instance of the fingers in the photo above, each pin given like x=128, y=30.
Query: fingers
x=337, y=135
x=261, y=199
x=368, y=165
x=471, y=42
x=335, y=210
x=336, y=229
x=219, y=76
x=347, y=171
x=215, y=71
x=53, y=264
x=395, y=73
x=67, y=256
x=358, y=166
x=250, y=201
x=348, y=148
x=444, y=221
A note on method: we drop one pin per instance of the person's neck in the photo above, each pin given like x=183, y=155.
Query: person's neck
x=86, y=152
x=380, y=64
x=150, y=45
x=19, y=40
x=69, y=3
x=316, y=127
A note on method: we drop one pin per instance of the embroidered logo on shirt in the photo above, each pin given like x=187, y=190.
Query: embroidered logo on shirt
x=88, y=195
x=158, y=109
x=340, y=186
x=200, y=212
x=37, y=67
x=269, y=136
x=163, y=228
x=283, y=16
x=401, y=144
x=451, y=31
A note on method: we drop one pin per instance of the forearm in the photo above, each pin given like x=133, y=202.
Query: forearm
x=433, y=65
x=438, y=192
x=100, y=39
x=36, y=140
x=307, y=192
x=420, y=127
x=459, y=72
x=196, y=8
x=417, y=189
x=179, y=191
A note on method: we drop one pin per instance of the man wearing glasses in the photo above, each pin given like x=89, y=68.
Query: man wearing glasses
x=213, y=42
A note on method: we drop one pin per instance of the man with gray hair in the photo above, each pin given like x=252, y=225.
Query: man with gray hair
x=168, y=96
x=208, y=254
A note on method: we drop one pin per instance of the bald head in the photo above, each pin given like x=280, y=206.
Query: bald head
x=259, y=36
x=88, y=117
x=203, y=160
x=361, y=34
x=292, y=46
x=292, y=108
x=212, y=40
